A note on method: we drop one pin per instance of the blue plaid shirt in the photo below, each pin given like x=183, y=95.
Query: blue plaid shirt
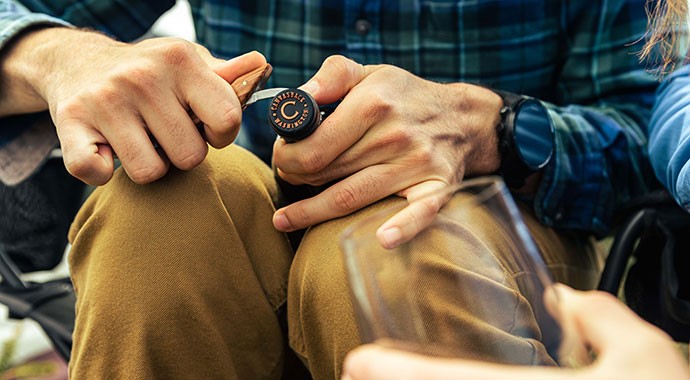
x=578, y=56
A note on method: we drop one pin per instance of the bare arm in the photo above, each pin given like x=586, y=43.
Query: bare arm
x=29, y=61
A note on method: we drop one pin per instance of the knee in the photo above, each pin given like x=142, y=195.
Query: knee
x=229, y=178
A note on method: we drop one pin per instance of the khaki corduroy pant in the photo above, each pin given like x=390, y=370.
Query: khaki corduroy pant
x=184, y=277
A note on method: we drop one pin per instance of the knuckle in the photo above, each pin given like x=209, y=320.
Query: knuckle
x=147, y=173
x=424, y=155
x=338, y=62
x=230, y=116
x=201, y=49
x=84, y=168
x=291, y=179
x=177, y=51
x=316, y=179
x=311, y=161
x=430, y=206
x=342, y=66
x=190, y=158
x=346, y=199
x=299, y=216
x=69, y=109
x=79, y=166
x=106, y=94
x=390, y=71
x=225, y=127
x=140, y=77
x=379, y=105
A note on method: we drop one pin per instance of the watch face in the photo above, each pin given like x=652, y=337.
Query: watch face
x=534, y=134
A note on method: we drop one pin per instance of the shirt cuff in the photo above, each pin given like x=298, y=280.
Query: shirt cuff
x=9, y=28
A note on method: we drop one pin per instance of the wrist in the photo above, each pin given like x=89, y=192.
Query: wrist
x=17, y=95
x=480, y=110
x=36, y=62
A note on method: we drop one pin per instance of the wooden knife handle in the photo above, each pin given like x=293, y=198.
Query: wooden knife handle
x=245, y=85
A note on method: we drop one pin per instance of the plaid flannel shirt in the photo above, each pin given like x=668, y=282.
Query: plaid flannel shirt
x=577, y=56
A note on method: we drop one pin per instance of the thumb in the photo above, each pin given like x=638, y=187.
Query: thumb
x=600, y=320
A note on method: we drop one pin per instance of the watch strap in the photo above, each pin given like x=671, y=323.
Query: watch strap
x=513, y=170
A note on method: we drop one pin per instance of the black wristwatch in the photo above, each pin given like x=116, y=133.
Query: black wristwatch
x=525, y=137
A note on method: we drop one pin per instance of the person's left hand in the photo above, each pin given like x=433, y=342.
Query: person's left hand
x=626, y=347
x=393, y=133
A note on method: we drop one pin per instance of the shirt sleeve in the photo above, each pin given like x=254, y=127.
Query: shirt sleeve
x=125, y=20
x=14, y=18
x=669, y=135
x=600, y=114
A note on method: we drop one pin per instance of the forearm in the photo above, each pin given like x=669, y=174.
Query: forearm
x=36, y=60
x=669, y=147
x=602, y=107
x=600, y=164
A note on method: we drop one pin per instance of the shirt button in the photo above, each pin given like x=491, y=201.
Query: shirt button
x=362, y=27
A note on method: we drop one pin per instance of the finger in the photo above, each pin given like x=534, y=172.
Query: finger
x=365, y=142
x=423, y=189
x=334, y=136
x=344, y=127
x=335, y=78
x=212, y=99
x=602, y=320
x=373, y=362
x=366, y=151
x=333, y=140
x=342, y=198
x=176, y=134
x=127, y=135
x=221, y=125
x=214, y=102
x=85, y=153
x=418, y=215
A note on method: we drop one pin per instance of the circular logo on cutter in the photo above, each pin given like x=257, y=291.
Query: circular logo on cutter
x=293, y=114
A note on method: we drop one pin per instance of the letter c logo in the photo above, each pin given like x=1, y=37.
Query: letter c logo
x=282, y=110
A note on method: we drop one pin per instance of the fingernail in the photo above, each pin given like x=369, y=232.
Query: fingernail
x=391, y=237
x=281, y=222
x=311, y=87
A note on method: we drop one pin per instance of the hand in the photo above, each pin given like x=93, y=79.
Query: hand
x=107, y=97
x=393, y=133
x=626, y=348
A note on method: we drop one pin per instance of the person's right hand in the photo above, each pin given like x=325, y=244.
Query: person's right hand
x=107, y=97
x=626, y=347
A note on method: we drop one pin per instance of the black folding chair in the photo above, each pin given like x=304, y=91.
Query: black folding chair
x=653, y=248
x=50, y=304
x=33, y=235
